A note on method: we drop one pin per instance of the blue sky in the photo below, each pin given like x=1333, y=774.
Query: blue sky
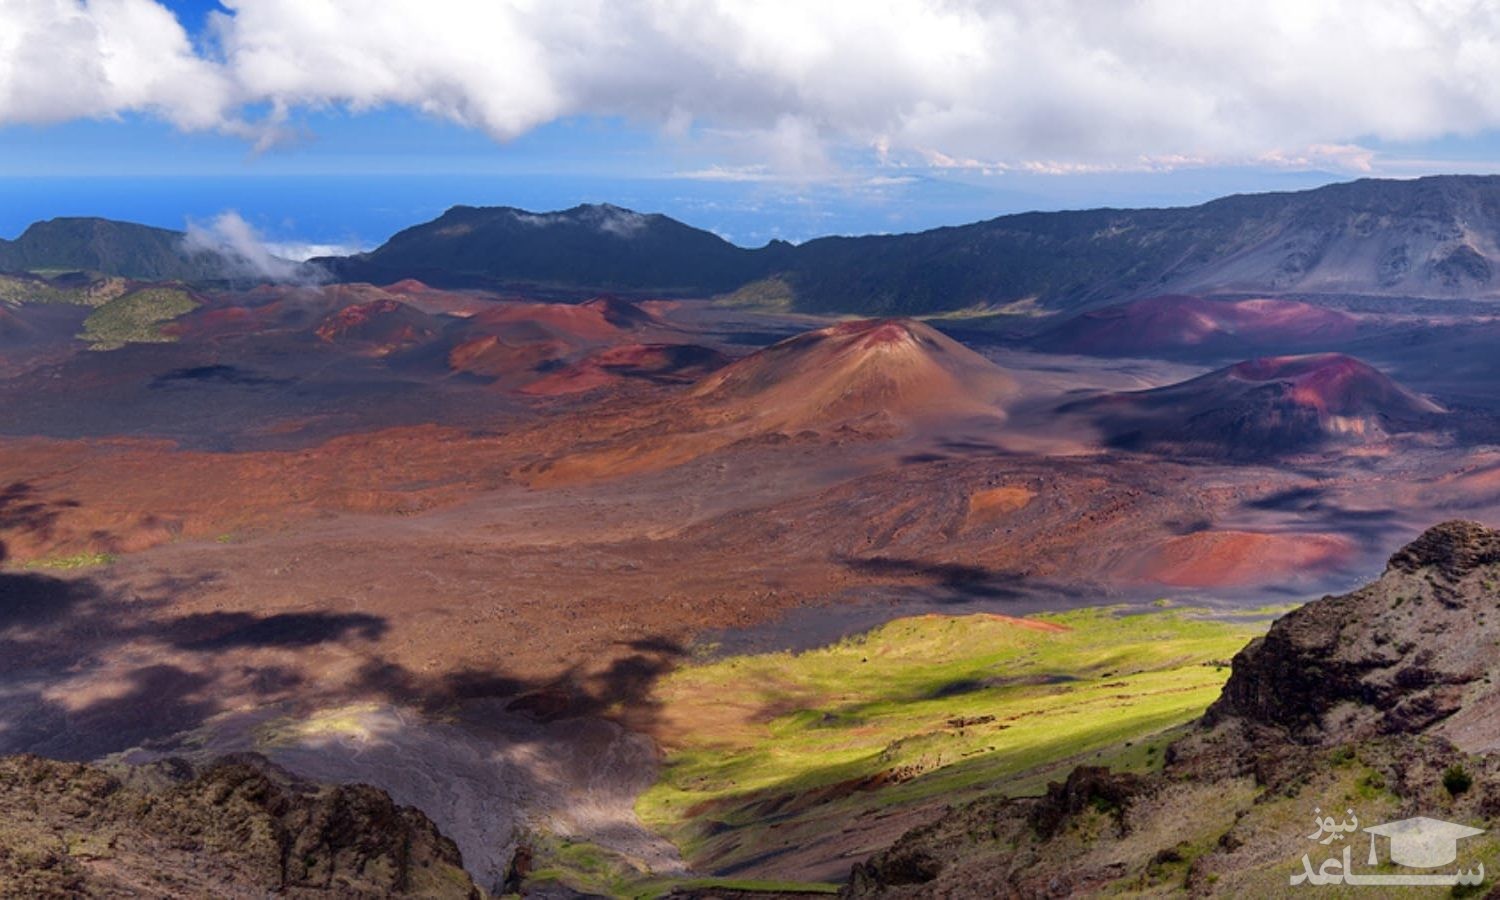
x=252, y=110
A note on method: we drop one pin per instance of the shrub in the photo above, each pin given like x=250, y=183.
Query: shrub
x=1457, y=779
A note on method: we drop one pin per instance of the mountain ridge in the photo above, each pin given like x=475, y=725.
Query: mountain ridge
x=90, y=243
x=1436, y=237
x=1429, y=237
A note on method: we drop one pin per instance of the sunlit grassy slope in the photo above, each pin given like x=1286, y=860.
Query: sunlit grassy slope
x=594, y=871
x=16, y=289
x=136, y=317
x=782, y=750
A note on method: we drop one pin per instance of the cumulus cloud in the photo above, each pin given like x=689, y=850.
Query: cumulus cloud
x=244, y=252
x=61, y=59
x=1066, y=85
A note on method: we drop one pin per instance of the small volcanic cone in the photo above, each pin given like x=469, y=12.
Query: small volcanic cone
x=893, y=368
x=662, y=363
x=601, y=319
x=516, y=342
x=435, y=302
x=1179, y=324
x=491, y=356
x=385, y=325
x=1266, y=407
x=619, y=313
x=407, y=286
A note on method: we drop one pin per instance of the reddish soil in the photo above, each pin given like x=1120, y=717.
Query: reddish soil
x=1236, y=558
x=597, y=320
x=680, y=363
x=993, y=503
x=385, y=326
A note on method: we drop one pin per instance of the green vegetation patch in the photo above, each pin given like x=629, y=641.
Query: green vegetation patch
x=770, y=753
x=978, y=312
x=18, y=289
x=136, y=318
x=76, y=561
x=774, y=294
x=590, y=869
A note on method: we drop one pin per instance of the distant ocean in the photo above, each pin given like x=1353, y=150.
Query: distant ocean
x=364, y=210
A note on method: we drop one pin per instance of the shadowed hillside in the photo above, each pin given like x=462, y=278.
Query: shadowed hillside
x=1185, y=326
x=1429, y=237
x=1264, y=408
x=597, y=247
x=102, y=245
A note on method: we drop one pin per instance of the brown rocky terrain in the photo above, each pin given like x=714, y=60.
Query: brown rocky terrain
x=1380, y=701
x=237, y=828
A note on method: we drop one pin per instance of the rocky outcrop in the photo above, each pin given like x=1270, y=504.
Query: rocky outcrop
x=237, y=828
x=1086, y=786
x=1452, y=550
x=1400, y=656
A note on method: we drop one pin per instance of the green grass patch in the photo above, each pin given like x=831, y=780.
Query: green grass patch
x=995, y=312
x=136, y=317
x=591, y=869
x=774, y=294
x=76, y=561
x=921, y=711
x=18, y=289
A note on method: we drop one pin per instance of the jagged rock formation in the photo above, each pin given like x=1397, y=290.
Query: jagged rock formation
x=1409, y=653
x=1382, y=698
x=237, y=828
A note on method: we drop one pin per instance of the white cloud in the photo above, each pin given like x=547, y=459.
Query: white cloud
x=1070, y=85
x=733, y=174
x=60, y=59
x=302, y=251
x=243, y=251
x=1349, y=157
